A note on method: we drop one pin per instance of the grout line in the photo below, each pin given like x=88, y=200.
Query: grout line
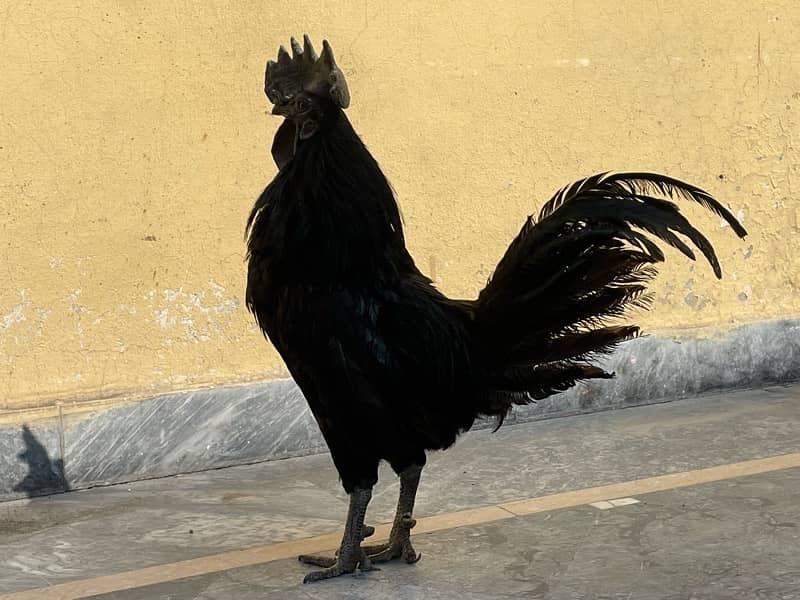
x=75, y=590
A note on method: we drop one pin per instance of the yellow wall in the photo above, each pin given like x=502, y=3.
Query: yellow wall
x=134, y=138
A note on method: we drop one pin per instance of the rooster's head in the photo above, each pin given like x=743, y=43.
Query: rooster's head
x=301, y=87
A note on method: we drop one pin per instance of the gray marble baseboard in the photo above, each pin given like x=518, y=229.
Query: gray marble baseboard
x=207, y=429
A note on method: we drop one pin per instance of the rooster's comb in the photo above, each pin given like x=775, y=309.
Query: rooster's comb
x=304, y=71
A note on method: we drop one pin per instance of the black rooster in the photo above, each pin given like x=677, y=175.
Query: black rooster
x=391, y=367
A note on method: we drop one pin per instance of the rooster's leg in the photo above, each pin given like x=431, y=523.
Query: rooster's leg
x=399, y=545
x=350, y=555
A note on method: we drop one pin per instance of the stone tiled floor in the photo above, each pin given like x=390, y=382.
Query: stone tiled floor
x=736, y=538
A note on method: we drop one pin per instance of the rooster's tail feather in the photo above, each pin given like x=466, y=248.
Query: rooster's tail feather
x=545, y=312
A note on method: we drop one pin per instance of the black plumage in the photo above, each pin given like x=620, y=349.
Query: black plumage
x=390, y=366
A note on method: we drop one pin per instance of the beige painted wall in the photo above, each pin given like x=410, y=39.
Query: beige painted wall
x=134, y=138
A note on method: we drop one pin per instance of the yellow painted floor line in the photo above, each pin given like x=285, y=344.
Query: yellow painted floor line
x=74, y=590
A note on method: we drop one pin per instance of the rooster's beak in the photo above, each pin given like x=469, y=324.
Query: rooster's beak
x=282, y=110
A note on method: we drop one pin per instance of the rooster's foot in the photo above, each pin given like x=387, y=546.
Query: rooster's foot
x=333, y=567
x=399, y=545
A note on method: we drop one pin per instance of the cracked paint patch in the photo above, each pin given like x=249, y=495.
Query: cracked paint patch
x=17, y=314
x=216, y=289
x=745, y=294
x=163, y=318
x=78, y=310
x=194, y=311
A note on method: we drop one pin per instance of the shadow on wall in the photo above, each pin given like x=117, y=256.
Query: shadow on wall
x=44, y=476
